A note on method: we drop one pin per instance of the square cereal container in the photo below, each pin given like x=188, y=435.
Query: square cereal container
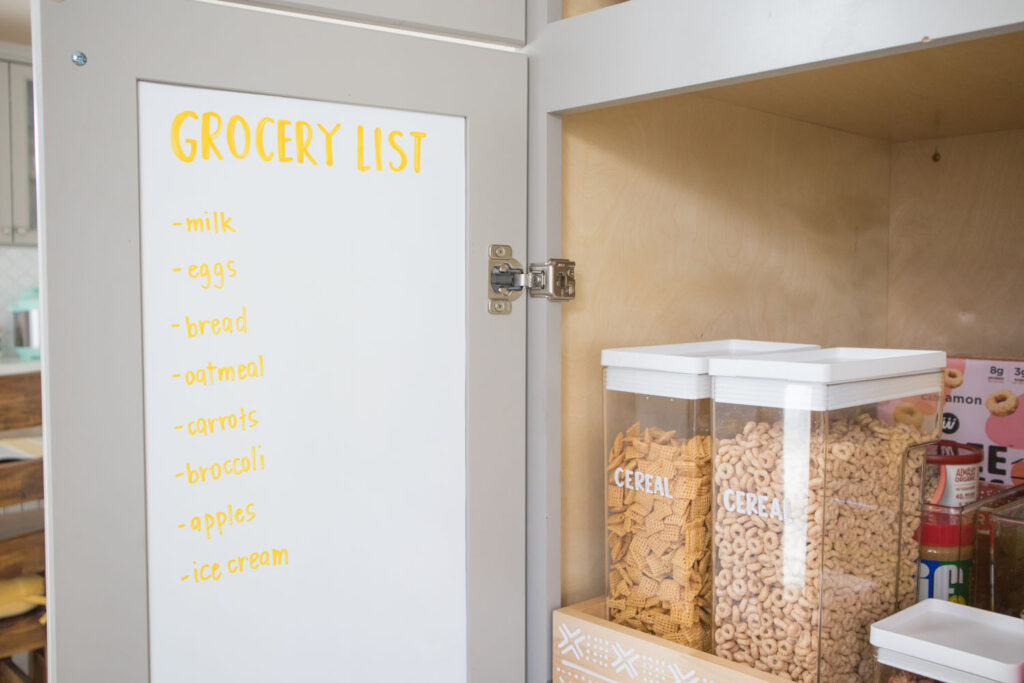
x=817, y=482
x=657, y=420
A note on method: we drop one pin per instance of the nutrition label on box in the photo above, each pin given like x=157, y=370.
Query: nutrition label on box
x=983, y=408
x=289, y=458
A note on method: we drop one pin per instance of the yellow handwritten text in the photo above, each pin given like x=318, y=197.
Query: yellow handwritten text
x=212, y=374
x=210, y=274
x=236, y=467
x=218, y=223
x=289, y=141
x=209, y=521
x=215, y=326
x=206, y=426
x=214, y=571
x=396, y=148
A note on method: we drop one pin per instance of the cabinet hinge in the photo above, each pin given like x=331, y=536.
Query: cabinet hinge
x=554, y=280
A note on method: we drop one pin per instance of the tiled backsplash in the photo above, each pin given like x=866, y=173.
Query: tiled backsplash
x=19, y=268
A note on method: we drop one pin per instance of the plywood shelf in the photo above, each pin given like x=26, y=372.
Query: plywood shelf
x=22, y=544
x=22, y=633
x=21, y=481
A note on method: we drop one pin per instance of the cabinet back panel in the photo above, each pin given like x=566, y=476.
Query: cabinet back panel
x=956, y=279
x=695, y=219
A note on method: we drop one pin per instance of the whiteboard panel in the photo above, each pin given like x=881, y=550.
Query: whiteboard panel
x=325, y=353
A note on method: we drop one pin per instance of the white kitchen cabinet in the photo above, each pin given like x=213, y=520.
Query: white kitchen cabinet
x=783, y=162
x=17, y=148
x=501, y=21
x=23, y=161
x=6, y=213
x=726, y=170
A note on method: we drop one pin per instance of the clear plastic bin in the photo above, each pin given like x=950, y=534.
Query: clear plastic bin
x=1008, y=559
x=658, y=500
x=817, y=473
x=938, y=640
x=993, y=497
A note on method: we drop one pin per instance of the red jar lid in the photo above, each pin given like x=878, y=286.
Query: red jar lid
x=953, y=453
x=936, y=530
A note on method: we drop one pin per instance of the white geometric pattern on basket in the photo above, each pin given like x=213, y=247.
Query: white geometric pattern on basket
x=624, y=660
x=602, y=660
x=571, y=641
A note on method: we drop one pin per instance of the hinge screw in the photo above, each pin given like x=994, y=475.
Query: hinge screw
x=79, y=58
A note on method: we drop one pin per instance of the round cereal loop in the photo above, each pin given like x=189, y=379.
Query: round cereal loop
x=768, y=647
x=908, y=414
x=725, y=471
x=1002, y=403
x=771, y=542
x=754, y=547
x=736, y=532
x=952, y=378
x=737, y=589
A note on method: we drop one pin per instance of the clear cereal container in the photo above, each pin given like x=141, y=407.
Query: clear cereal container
x=657, y=419
x=817, y=482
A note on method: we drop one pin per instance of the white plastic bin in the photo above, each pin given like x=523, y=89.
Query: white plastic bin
x=945, y=641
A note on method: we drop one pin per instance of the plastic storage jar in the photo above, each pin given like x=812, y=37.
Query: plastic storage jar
x=1008, y=559
x=658, y=503
x=936, y=640
x=817, y=490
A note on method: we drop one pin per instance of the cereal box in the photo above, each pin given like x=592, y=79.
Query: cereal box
x=983, y=407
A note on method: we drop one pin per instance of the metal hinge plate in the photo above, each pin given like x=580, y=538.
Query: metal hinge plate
x=554, y=280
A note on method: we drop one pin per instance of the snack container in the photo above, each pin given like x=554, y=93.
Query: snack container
x=657, y=420
x=817, y=474
x=1007, y=528
x=937, y=640
x=991, y=497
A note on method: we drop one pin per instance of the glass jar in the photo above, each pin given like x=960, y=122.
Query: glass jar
x=657, y=420
x=817, y=482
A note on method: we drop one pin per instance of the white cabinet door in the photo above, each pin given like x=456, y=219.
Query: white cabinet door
x=501, y=21
x=284, y=437
x=23, y=166
x=6, y=217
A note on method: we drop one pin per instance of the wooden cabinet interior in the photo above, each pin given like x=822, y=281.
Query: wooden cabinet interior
x=808, y=207
x=571, y=8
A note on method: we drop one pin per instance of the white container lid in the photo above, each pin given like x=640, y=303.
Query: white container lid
x=677, y=370
x=952, y=642
x=830, y=366
x=691, y=358
x=826, y=379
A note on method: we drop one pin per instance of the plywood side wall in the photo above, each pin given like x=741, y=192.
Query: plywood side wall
x=694, y=219
x=956, y=279
x=571, y=8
